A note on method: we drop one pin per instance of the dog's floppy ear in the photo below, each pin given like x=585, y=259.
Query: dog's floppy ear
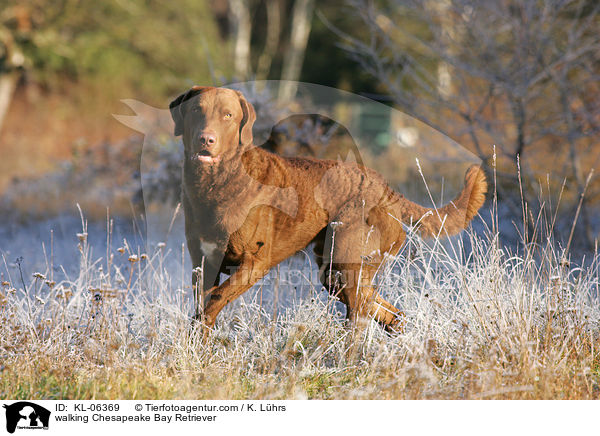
x=248, y=120
x=176, y=106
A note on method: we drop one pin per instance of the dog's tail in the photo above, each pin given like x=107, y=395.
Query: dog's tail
x=454, y=216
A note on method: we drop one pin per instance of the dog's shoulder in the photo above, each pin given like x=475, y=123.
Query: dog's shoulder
x=265, y=167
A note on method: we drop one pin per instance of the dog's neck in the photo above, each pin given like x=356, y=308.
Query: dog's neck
x=231, y=176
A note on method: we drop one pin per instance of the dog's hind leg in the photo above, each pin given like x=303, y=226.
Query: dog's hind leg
x=357, y=256
x=361, y=299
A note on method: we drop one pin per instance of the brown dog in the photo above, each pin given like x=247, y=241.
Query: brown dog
x=258, y=208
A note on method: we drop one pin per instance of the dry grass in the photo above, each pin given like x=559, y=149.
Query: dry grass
x=480, y=323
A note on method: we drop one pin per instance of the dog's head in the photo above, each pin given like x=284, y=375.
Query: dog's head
x=216, y=123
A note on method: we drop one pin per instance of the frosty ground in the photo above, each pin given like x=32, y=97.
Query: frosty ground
x=482, y=321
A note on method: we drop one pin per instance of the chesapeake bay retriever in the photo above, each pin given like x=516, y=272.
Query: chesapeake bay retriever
x=247, y=209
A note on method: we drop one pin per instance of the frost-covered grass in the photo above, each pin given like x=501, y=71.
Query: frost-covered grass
x=480, y=323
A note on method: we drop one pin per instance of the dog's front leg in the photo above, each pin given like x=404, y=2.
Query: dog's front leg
x=249, y=272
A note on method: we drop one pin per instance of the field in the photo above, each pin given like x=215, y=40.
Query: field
x=95, y=277
x=482, y=322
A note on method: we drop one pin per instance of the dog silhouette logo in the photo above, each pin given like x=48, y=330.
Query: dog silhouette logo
x=26, y=415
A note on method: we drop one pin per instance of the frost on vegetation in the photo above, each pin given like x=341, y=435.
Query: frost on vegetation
x=469, y=315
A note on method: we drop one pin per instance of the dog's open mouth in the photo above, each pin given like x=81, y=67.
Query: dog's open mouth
x=205, y=157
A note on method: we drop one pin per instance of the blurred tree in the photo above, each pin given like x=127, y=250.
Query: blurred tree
x=241, y=33
x=11, y=57
x=273, y=32
x=272, y=38
x=329, y=65
x=148, y=46
x=294, y=56
x=244, y=31
x=519, y=74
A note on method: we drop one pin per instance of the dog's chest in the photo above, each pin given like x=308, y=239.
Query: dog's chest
x=237, y=201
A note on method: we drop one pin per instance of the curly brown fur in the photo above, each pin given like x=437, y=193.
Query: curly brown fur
x=247, y=209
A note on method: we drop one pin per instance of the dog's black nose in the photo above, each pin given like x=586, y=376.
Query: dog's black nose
x=208, y=139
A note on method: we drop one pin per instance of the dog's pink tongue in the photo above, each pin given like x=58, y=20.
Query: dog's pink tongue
x=208, y=159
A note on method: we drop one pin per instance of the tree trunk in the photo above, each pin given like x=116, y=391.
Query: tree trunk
x=8, y=83
x=240, y=13
x=272, y=39
x=576, y=166
x=292, y=63
x=444, y=70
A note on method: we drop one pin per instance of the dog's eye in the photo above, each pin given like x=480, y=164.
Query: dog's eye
x=227, y=116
